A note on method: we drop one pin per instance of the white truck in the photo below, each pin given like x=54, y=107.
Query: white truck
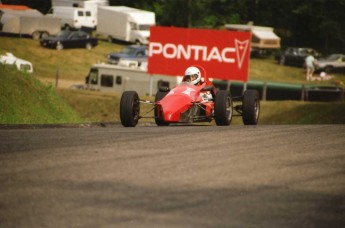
x=28, y=22
x=91, y=5
x=125, y=23
x=74, y=17
x=118, y=78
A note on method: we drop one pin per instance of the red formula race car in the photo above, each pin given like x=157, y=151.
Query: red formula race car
x=188, y=103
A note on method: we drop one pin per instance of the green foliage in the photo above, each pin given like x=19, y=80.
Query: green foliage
x=25, y=100
x=318, y=23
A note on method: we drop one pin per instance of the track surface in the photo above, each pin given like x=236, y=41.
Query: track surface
x=194, y=176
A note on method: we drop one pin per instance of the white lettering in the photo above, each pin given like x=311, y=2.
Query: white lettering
x=198, y=49
x=195, y=52
x=224, y=54
x=155, y=48
x=182, y=51
x=173, y=53
x=214, y=54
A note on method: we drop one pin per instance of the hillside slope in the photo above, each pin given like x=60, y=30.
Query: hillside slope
x=25, y=100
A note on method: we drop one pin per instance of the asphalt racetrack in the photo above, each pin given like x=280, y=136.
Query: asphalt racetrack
x=177, y=176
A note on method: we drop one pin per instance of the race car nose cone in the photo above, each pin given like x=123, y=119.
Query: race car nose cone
x=173, y=106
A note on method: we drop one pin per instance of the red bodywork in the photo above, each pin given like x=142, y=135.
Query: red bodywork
x=184, y=97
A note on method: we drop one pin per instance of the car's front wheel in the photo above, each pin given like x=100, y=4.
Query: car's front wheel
x=250, y=107
x=129, y=108
x=223, y=108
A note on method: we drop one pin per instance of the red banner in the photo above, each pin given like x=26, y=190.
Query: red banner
x=223, y=54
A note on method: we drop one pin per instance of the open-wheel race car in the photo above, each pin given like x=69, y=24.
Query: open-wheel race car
x=188, y=103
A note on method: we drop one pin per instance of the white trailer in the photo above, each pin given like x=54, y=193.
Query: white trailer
x=28, y=22
x=116, y=78
x=125, y=23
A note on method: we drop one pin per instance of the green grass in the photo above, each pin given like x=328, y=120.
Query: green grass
x=24, y=99
x=94, y=106
x=72, y=64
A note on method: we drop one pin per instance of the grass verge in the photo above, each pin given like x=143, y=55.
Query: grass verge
x=95, y=106
x=25, y=100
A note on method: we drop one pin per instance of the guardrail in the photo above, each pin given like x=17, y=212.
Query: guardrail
x=284, y=91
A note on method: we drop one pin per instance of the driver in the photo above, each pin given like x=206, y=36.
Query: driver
x=192, y=75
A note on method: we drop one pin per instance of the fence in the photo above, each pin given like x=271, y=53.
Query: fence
x=284, y=91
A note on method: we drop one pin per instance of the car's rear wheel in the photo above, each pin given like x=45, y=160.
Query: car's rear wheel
x=59, y=46
x=129, y=108
x=66, y=27
x=250, y=107
x=44, y=34
x=158, y=118
x=282, y=60
x=36, y=35
x=223, y=108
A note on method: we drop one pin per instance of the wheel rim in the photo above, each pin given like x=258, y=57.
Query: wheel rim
x=136, y=110
x=228, y=108
x=256, y=109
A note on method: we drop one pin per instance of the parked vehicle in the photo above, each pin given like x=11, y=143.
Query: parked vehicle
x=118, y=78
x=128, y=52
x=125, y=23
x=334, y=62
x=89, y=4
x=69, y=39
x=28, y=22
x=295, y=56
x=74, y=17
x=21, y=64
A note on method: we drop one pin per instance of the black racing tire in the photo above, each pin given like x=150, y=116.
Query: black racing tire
x=129, y=108
x=159, y=121
x=250, y=107
x=223, y=108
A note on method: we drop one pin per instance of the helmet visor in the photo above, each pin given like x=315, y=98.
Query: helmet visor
x=191, y=77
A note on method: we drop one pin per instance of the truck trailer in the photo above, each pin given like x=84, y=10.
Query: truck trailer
x=125, y=23
x=118, y=78
x=28, y=22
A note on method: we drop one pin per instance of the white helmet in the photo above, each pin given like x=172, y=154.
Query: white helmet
x=192, y=75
